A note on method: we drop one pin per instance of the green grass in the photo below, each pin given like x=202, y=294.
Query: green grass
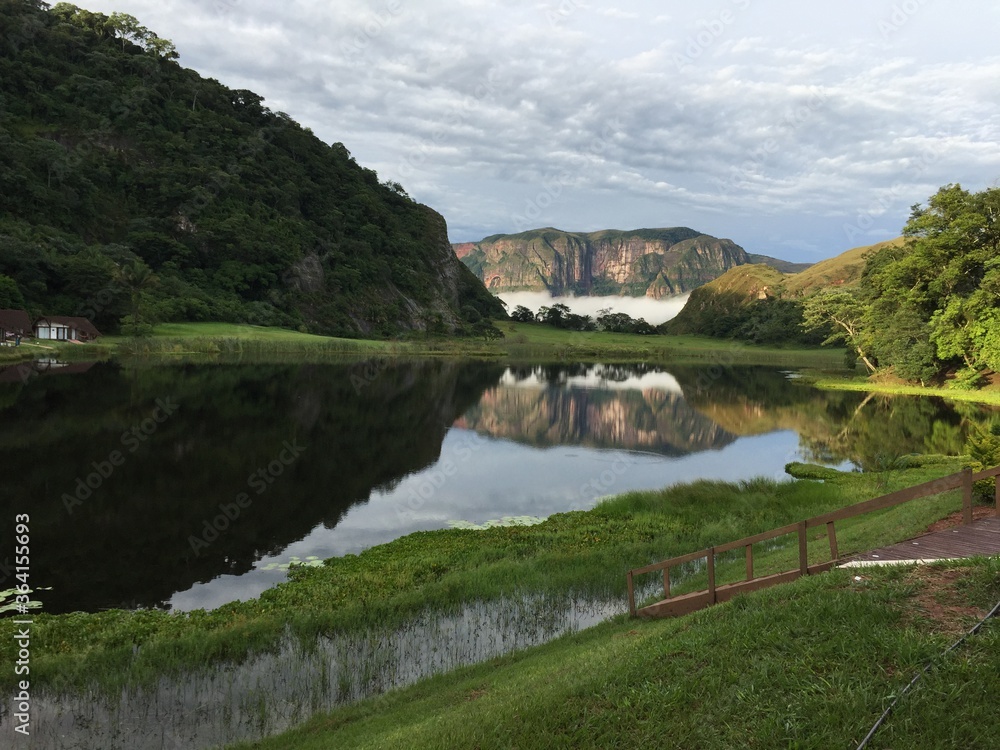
x=529, y=340
x=860, y=383
x=585, y=553
x=522, y=342
x=811, y=664
x=31, y=350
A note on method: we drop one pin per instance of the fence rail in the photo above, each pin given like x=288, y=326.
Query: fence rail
x=678, y=605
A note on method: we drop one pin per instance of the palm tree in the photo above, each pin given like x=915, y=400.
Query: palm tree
x=136, y=277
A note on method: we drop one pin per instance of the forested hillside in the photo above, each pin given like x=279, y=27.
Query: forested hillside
x=131, y=186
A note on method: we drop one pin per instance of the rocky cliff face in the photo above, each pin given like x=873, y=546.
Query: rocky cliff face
x=646, y=262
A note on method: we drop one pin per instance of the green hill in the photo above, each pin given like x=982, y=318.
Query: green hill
x=841, y=270
x=758, y=302
x=130, y=184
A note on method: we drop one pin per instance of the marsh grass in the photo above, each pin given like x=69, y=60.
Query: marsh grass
x=582, y=553
x=810, y=664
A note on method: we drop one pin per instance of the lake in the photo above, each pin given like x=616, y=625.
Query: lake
x=190, y=485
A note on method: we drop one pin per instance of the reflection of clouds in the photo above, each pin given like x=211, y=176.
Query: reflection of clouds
x=598, y=377
x=655, y=311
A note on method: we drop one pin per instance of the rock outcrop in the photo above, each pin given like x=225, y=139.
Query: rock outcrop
x=645, y=262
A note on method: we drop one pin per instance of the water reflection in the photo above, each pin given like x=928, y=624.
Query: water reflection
x=169, y=486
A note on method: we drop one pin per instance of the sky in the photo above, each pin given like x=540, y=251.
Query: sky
x=798, y=130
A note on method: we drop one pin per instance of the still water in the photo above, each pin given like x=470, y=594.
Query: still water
x=189, y=486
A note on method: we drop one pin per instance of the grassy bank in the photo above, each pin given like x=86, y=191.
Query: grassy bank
x=31, y=350
x=810, y=664
x=522, y=342
x=988, y=395
x=583, y=552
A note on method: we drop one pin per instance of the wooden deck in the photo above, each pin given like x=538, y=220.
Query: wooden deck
x=979, y=538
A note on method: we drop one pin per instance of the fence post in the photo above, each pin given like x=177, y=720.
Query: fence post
x=631, y=594
x=967, y=496
x=749, y=562
x=711, y=574
x=996, y=494
x=803, y=550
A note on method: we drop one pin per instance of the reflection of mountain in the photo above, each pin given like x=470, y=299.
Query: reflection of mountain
x=651, y=419
x=129, y=543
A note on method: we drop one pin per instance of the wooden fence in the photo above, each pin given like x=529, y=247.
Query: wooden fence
x=685, y=603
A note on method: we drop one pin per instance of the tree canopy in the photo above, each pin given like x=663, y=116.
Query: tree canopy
x=931, y=307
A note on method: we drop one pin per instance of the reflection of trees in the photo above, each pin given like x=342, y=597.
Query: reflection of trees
x=129, y=542
x=832, y=425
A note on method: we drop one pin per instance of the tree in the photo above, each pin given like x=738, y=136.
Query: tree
x=522, y=314
x=10, y=295
x=553, y=316
x=842, y=310
x=136, y=278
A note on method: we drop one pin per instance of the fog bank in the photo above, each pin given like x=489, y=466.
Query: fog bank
x=654, y=311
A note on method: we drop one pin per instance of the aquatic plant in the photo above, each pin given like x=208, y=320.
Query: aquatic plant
x=497, y=523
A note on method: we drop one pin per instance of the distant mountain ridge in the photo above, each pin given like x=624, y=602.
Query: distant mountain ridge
x=785, y=266
x=653, y=263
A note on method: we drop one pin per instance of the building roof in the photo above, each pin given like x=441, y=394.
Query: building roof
x=80, y=324
x=16, y=321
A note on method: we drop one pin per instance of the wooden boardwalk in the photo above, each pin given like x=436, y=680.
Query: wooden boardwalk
x=972, y=538
x=979, y=538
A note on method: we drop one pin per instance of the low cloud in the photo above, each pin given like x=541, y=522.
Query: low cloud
x=653, y=310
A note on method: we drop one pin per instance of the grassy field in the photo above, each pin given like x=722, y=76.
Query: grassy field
x=585, y=552
x=530, y=340
x=810, y=664
x=522, y=342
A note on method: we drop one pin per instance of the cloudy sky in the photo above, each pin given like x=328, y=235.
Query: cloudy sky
x=796, y=129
